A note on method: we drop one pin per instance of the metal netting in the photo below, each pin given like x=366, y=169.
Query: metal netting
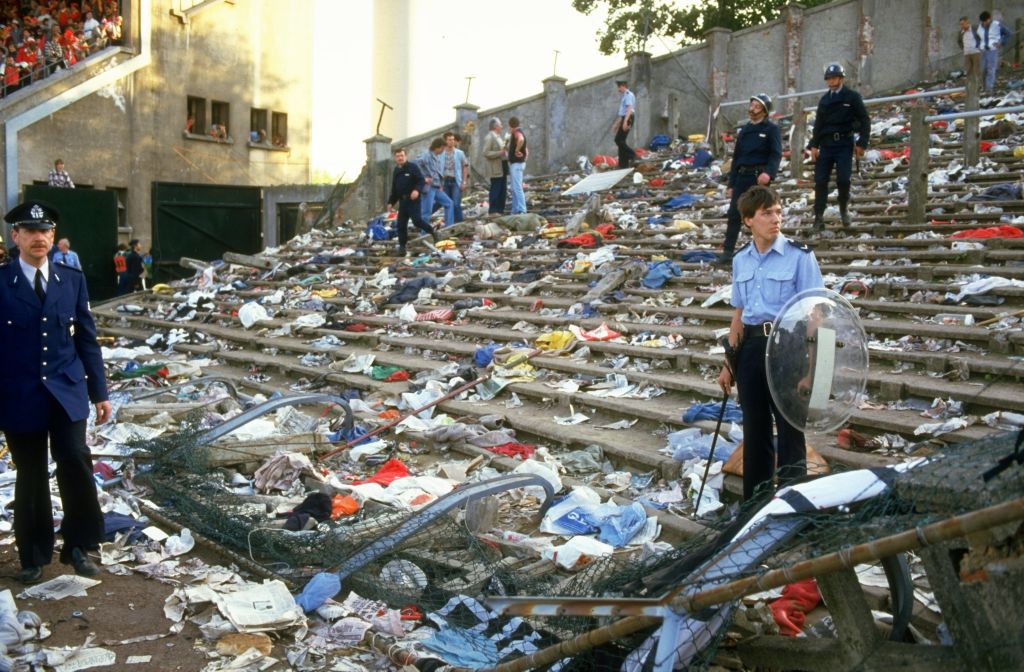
x=445, y=559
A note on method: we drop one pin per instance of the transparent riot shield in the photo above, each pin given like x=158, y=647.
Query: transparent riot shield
x=817, y=360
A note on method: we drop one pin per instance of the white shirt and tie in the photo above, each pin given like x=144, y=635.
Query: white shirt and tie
x=29, y=271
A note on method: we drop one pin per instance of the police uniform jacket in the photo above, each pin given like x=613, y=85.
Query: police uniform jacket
x=839, y=116
x=47, y=350
x=757, y=144
x=404, y=181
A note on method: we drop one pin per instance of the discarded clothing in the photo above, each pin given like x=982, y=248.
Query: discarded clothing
x=523, y=451
x=1003, y=231
x=790, y=610
x=316, y=505
x=680, y=201
x=411, y=289
x=659, y=273
x=1008, y=191
x=390, y=471
x=708, y=410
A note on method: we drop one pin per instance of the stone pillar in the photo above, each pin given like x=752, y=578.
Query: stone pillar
x=378, y=173
x=673, y=116
x=793, y=15
x=467, y=122
x=865, y=49
x=718, y=40
x=556, y=107
x=934, y=17
x=640, y=85
x=971, y=135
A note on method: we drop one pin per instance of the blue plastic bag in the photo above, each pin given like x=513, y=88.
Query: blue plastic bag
x=320, y=588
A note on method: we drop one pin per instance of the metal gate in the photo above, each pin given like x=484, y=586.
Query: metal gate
x=88, y=219
x=202, y=221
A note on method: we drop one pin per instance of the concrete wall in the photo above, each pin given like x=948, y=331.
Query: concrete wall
x=248, y=54
x=884, y=44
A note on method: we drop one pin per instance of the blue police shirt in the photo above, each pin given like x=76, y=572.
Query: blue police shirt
x=628, y=100
x=762, y=283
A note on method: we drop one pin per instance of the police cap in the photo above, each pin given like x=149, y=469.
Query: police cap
x=33, y=215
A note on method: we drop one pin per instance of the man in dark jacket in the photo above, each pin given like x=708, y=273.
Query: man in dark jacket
x=51, y=368
x=407, y=184
x=130, y=280
x=755, y=161
x=841, y=115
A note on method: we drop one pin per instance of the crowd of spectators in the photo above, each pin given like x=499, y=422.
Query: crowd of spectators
x=40, y=37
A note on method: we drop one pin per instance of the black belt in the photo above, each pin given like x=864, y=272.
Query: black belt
x=762, y=330
x=747, y=170
x=841, y=136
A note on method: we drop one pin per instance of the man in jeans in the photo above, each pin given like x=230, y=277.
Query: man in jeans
x=517, y=155
x=430, y=165
x=455, y=169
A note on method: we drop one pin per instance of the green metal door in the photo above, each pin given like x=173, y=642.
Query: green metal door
x=202, y=221
x=88, y=219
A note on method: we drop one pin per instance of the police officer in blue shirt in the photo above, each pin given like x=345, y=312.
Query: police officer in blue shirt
x=766, y=273
x=51, y=368
x=624, y=122
x=755, y=161
x=841, y=114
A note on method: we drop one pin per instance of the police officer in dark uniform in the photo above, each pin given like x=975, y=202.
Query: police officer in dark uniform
x=841, y=114
x=754, y=161
x=407, y=183
x=766, y=273
x=51, y=368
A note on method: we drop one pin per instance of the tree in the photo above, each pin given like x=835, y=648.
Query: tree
x=630, y=24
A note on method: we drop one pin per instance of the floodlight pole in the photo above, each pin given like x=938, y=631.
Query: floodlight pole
x=381, y=117
x=469, y=82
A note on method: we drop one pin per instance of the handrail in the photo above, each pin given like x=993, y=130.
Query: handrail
x=969, y=114
x=785, y=96
x=906, y=96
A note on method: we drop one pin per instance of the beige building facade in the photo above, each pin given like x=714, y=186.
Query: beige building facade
x=120, y=119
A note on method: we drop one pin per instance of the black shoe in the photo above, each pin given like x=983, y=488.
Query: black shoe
x=723, y=260
x=400, y=251
x=84, y=566
x=29, y=575
x=433, y=234
x=844, y=217
x=819, y=224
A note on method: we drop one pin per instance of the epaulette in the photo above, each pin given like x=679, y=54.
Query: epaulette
x=803, y=247
x=743, y=247
x=66, y=267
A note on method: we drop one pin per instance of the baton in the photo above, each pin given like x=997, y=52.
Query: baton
x=711, y=455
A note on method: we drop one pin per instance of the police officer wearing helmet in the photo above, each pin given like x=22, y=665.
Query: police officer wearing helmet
x=755, y=160
x=841, y=114
x=51, y=369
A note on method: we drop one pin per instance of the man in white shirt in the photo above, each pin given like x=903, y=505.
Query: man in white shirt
x=992, y=34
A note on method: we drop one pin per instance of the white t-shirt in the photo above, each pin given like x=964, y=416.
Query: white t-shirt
x=971, y=45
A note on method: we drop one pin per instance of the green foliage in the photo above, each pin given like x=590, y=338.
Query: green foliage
x=630, y=24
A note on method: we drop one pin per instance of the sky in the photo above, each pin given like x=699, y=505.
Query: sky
x=455, y=39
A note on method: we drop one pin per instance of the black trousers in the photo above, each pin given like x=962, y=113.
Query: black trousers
x=744, y=181
x=33, y=514
x=626, y=153
x=759, y=455
x=408, y=208
x=838, y=156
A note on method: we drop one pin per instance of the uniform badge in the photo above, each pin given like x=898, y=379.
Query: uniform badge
x=36, y=212
x=71, y=330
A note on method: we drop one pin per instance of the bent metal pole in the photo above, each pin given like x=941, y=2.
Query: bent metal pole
x=908, y=540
